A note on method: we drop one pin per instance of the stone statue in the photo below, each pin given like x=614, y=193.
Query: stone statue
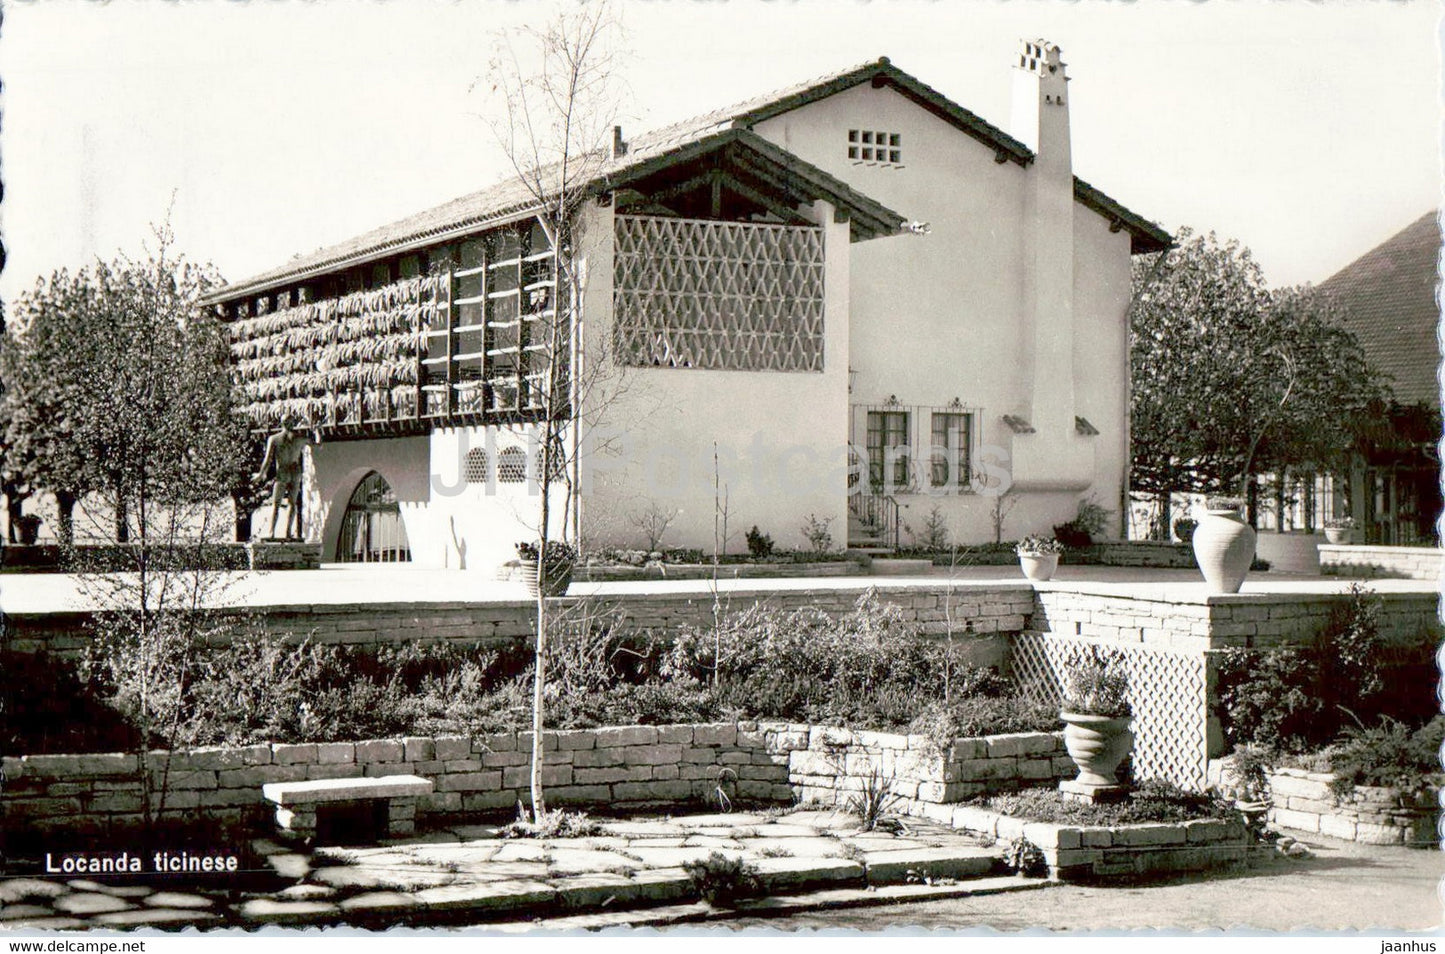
x=286, y=450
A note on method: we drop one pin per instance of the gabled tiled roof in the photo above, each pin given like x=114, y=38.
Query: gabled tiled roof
x=1387, y=298
x=510, y=199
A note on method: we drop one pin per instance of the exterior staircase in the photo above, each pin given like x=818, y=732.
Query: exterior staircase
x=872, y=523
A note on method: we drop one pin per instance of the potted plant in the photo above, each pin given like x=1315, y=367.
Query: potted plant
x=1184, y=529
x=1340, y=529
x=1096, y=715
x=1039, y=556
x=1224, y=544
x=561, y=558
x=28, y=526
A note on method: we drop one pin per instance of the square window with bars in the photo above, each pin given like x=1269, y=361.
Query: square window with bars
x=870, y=145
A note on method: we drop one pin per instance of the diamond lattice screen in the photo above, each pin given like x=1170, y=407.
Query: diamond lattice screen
x=724, y=295
x=1166, y=689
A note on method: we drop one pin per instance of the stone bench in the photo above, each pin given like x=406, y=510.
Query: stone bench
x=297, y=802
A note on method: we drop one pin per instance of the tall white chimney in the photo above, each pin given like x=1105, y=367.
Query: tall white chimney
x=1041, y=120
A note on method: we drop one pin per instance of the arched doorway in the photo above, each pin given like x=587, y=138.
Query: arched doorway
x=371, y=528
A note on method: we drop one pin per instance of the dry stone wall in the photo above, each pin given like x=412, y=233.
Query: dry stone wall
x=604, y=768
x=983, y=617
x=1411, y=563
x=1369, y=814
x=832, y=766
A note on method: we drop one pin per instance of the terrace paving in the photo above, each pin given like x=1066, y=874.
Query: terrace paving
x=471, y=875
x=338, y=584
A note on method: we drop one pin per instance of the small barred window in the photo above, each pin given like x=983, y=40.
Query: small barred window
x=875, y=146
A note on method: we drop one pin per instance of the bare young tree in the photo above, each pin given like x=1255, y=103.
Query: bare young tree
x=653, y=523
x=554, y=107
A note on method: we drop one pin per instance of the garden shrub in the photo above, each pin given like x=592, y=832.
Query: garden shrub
x=1389, y=754
x=869, y=667
x=1272, y=700
x=983, y=715
x=1298, y=699
x=722, y=881
x=556, y=823
x=1153, y=800
x=759, y=544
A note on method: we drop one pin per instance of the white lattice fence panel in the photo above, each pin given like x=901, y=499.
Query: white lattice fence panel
x=1167, y=690
x=736, y=296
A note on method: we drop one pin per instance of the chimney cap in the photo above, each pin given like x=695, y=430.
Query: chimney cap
x=1038, y=55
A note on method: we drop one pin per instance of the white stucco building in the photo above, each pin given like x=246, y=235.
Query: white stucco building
x=756, y=283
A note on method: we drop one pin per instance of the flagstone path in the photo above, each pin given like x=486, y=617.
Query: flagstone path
x=470, y=874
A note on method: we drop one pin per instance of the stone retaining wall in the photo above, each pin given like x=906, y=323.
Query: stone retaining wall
x=1411, y=563
x=836, y=764
x=1153, y=553
x=602, y=768
x=1199, y=622
x=487, y=774
x=991, y=613
x=1083, y=853
x=1369, y=814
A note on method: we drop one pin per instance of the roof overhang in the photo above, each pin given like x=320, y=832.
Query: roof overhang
x=795, y=179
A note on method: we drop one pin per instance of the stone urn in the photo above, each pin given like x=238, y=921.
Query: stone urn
x=1097, y=744
x=561, y=560
x=1224, y=548
x=1039, y=567
x=559, y=578
x=1340, y=535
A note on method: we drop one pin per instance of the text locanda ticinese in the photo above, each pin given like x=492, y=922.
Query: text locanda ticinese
x=125, y=862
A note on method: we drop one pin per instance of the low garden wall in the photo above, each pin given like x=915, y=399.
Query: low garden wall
x=703, y=571
x=603, y=768
x=1085, y=853
x=836, y=764
x=260, y=555
x=992, y=613
x=1188, y=621
x=617, y=766
x=1370, y=814
x=1151, y=553
x=1145, y=553
x=1410, y=563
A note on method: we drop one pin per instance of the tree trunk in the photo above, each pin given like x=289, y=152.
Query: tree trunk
x=122, y=521
x=65, y=516
x=1163, y=510
x=243, y=517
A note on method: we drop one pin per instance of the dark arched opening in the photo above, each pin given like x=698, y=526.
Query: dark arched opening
x=371, y=529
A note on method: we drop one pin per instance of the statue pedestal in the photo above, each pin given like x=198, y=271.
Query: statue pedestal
x=284, y=555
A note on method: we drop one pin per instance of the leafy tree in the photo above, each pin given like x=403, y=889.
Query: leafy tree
x=1230, y=380
x=117, y=384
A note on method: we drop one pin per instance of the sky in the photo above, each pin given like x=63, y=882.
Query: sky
x=1310, y=132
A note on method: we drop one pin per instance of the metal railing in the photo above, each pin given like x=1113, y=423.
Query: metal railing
x=878, y=513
